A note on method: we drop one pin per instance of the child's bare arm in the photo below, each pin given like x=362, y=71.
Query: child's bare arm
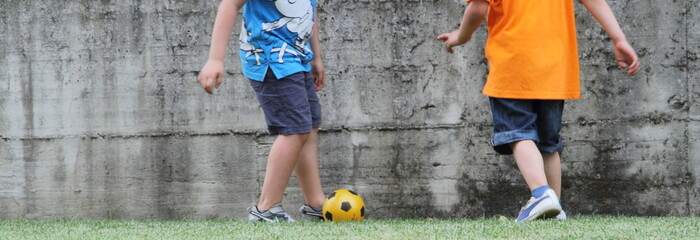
x=212, y=72
x=624, y=53
x=317, y=67
x=473, y=16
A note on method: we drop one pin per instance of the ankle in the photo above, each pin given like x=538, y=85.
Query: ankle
x=315, y=204
x=264, y=206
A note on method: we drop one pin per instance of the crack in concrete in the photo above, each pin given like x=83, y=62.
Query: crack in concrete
x=650, y=118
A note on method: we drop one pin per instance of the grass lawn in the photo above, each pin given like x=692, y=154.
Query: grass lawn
x=594, y=227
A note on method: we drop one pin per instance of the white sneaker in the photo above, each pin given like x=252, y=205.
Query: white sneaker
x=561, y=216
x=546, y=206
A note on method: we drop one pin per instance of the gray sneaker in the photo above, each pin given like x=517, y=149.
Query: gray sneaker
x=311, y=214
x=274, y=214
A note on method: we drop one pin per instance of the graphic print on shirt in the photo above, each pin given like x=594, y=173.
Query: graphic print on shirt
x=298, y=19
x=247, y=46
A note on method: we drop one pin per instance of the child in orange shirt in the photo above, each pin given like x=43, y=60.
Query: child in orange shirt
x=533, y=60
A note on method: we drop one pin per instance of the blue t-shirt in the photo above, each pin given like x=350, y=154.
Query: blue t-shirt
x=275, y=35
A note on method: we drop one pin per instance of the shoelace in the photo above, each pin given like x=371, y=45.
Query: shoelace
x=281, y=215
x=274, y=216
x=285, y=216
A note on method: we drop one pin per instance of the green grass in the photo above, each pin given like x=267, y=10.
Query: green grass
x=594, y=227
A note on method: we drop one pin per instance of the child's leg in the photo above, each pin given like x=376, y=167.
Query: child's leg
x=552, y=168
x=516, y=131
x=307, y=168
x=291, y=112
x=308, y=173
x=549, y=124
x=281, y=161
x=530, y=162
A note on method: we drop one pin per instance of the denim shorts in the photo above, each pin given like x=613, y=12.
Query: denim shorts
x=290, y=104
x=524, y=119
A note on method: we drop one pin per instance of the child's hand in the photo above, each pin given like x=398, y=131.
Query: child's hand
x=626, y=57
x=211, y=75
x=319, y=73
x=452, y=39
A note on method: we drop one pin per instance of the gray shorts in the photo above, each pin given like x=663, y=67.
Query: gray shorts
x=290, y=104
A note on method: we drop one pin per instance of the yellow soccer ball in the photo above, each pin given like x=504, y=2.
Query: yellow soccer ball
x=343, y=205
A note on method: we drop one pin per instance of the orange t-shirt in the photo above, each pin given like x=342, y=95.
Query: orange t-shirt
x=532, y=50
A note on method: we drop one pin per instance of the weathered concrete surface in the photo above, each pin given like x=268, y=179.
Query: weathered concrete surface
x=101, y=116
x=132, y=177
x=693, y=45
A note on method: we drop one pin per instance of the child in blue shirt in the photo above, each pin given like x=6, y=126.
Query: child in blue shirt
x=280, y=55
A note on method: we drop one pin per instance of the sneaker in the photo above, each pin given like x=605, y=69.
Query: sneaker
x=274, y=214
x=561, y=216
x=311, y=214
x=546, y=206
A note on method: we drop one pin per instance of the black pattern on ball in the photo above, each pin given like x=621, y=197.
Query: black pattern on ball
x=353, y=193
x=345, y=206
x=331, y=195
x=329, y=216
x=362, y=211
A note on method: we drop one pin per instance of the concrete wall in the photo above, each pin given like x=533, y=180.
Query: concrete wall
x=101, y=116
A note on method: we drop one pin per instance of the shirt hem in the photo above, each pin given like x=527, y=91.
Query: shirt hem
x=534, y=95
